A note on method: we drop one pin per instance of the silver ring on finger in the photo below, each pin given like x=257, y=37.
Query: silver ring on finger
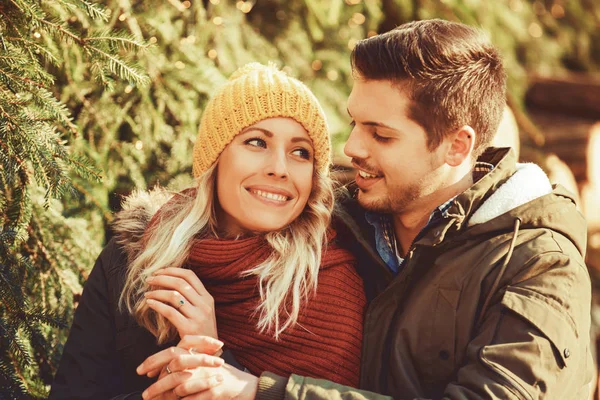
x=192, y=351
x=168, y=370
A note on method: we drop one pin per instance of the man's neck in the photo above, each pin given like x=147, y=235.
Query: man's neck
x=408, y=224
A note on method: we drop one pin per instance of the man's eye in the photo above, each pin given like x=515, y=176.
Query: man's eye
x=302, y=153
x=380, y=139
x=256, y=142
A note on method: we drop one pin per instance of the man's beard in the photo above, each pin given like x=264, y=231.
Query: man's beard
x=396, y=201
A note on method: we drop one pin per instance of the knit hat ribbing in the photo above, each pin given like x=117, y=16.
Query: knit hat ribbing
x=253, y=93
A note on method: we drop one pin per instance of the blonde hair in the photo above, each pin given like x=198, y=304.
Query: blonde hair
x=286, y=277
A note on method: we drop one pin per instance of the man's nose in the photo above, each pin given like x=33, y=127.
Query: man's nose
x=355, y=146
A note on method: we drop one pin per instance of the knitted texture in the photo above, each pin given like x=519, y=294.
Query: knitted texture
x=326, y=341
x=253, y=93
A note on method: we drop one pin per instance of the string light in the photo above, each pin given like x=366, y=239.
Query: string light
x=186, y=4
x=352, y=43
x=217, y=21
x=212, y=54
x=516, y=5
x=332, y=75
x=128, y=89
x=215, y=2
x=139, y=145
x=317, y=65
x=122, y=17
x=535, y=30
x=246, y=7
x=179, y=65
x=37, y=35
x=280, y=15
x=358, y=18
x=153, y=39
x=557, y=11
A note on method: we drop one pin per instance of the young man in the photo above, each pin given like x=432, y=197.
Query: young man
x=488, y=296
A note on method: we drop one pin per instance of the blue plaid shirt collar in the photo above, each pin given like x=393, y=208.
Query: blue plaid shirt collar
x=385, y=238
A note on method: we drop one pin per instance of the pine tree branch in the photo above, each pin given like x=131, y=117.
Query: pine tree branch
x=120, y=68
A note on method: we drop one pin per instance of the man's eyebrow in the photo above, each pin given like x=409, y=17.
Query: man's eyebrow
x=373, y=123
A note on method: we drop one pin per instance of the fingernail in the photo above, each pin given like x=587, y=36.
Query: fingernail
x=139, y=369
x=150, y=278
x=146, y=294
x=150, y=301
x=145, y=394
x=219, y=362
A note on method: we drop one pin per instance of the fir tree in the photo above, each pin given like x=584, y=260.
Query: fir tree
x=44, y=252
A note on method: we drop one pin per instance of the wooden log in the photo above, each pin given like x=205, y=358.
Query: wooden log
x=557, y=170
x=590, y=191
x=590, y=204
x=570, y=138
x=507, y=134
x=573, y=94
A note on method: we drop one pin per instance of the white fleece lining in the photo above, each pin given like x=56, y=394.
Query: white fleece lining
x=527, y=184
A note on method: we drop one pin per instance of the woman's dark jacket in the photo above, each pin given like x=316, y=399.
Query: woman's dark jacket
x=105, y=345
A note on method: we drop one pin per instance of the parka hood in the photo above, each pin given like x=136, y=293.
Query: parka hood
x=518, y=191
x=137, y=210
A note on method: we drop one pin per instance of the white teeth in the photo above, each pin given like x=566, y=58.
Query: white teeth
x=365, y=175
x=271, y=196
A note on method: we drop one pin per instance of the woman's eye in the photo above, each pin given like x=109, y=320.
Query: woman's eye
x=302, y=153
x=352, y=123
x=256, y=142
x=381, y=139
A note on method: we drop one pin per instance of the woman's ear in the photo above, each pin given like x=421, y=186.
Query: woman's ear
x=461, y=146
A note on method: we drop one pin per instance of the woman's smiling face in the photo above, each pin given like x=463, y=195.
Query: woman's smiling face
x=264, y=177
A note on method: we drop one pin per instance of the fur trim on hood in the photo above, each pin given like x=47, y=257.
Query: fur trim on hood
x=137, y=210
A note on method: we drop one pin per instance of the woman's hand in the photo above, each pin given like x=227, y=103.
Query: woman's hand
x=189, y=371
x=181, y=298
x=192, y=375
x=204, y=347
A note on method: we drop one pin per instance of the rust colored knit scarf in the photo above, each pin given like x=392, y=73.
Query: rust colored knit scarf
x=326, y=342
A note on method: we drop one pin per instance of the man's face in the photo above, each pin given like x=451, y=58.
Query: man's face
x=396, y=171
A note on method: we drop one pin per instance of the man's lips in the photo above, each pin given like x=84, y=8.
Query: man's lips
x=365, y=180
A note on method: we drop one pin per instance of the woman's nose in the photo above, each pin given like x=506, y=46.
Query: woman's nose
x=277, y=166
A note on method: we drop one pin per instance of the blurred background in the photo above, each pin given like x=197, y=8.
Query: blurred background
x=98, y=99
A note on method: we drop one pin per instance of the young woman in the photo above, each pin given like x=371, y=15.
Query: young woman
x=248, y=255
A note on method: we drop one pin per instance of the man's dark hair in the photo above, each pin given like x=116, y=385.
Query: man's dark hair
x=452, y=73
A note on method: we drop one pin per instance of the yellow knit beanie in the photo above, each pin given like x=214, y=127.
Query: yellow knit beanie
x=253, y=93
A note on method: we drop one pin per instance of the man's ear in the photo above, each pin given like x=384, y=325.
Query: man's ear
x=461, y=146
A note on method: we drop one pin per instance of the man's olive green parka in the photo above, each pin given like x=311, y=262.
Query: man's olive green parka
x=492, y=303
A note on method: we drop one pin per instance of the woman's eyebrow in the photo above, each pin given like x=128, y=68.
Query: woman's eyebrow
x=301, y=139
x=267, y=132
